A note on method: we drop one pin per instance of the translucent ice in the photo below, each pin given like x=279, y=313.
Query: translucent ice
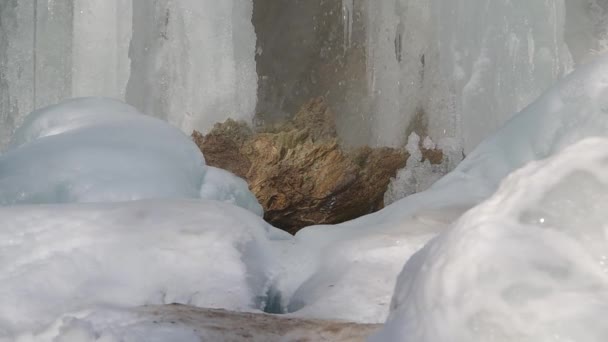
x=98, y=150
x=102, y=150
x=224, y=186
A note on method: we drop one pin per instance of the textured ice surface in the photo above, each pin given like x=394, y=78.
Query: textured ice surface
x=529, y=264
x=67, y=258
x=466, y=66
x=189, y=62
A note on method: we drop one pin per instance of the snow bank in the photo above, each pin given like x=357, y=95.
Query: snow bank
x=529, y=264
x=64, y=259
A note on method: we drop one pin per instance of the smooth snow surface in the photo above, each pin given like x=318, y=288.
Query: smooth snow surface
x=529, y=264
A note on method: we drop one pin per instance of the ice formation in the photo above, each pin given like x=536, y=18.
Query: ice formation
x=98, y=150
x=189, y=62
x=224, y=186
x=468, y=66
x=102, y=150
x=529, y=264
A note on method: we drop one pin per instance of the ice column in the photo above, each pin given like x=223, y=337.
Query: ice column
x=189, y=61
x=193, y=61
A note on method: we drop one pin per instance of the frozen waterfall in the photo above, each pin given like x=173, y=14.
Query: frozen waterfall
x=190, y=62
x=451, y=70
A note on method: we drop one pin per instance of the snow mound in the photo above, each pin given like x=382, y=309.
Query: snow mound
x=62, y=259
x=529, y=264
x=102, y=150
x=98, y=150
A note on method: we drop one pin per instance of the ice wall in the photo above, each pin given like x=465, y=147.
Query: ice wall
x=459, y=69
x=190, y=62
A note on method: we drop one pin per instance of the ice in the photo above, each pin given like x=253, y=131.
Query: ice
x=193, y=61
x=71, y=115
x=188, y=62
x=465, y=67
x=224, y=186
x=529, y=264
x=63, y=259
x=98, y=150
x=102, y=150
x=418, y=175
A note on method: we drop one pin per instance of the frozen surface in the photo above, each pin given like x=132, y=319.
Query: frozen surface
x=418, y=175
x=224, y=186
x=98, y=150
x=67, y=258
x=529, y=264
x=460, y=69
x=193, y=61
x=189, y=62
x=74, y=114
x=102, y=150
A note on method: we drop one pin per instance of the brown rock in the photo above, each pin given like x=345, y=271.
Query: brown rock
x=300, y=174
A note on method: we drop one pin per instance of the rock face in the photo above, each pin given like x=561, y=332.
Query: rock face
x=299, y=172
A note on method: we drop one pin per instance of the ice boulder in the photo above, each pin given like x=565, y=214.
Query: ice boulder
x=529, y=264
x=89, y=152
x=70, y=258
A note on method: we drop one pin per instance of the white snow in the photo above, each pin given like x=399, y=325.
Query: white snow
x=63, y=259
x=529, y=264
